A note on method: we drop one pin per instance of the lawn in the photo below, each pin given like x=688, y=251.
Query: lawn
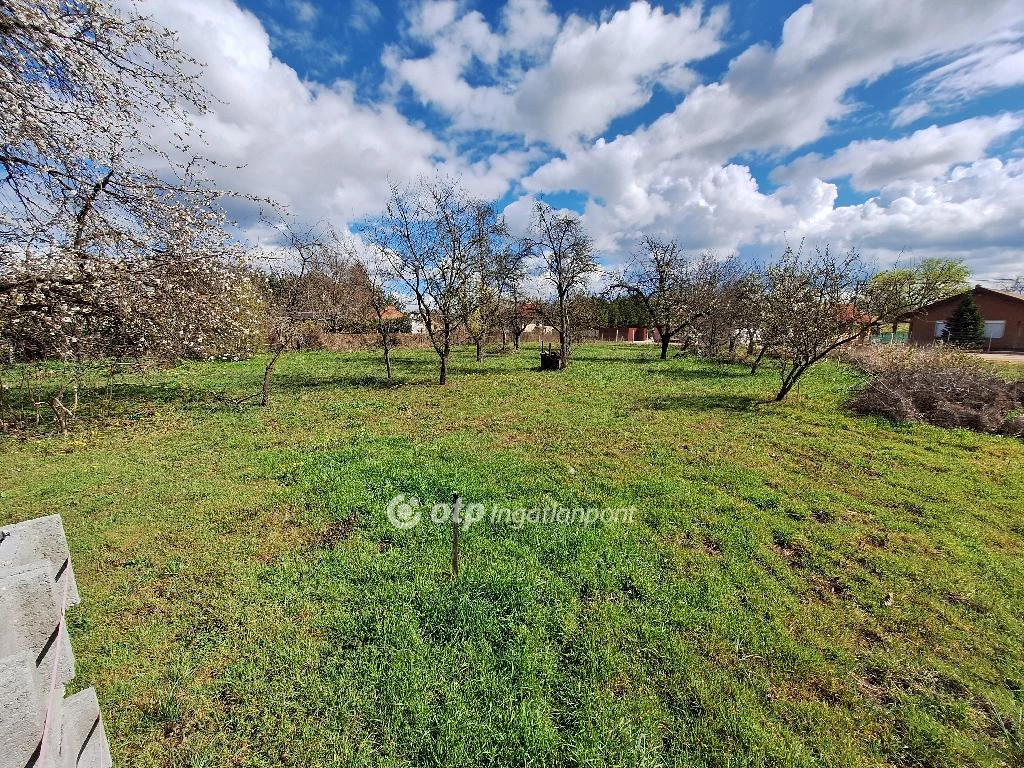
x=798, y=586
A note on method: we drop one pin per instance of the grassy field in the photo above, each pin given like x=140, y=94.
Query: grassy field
x=798, y=586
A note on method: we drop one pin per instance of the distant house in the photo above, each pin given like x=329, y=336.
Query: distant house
x=391, y=314
x=534, y=320
x=417, y=324
x=1003, y=313
x=624, y=333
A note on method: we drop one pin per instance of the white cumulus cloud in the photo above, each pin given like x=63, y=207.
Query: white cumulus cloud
x=312, y=147
x=925, y=154
x=593, y=72
x=534, y=89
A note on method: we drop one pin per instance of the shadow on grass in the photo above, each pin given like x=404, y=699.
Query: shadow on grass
x=710, y=372
x=134, y=393
x=127, y=403
x=244, y=392
x=296, y=382
x=708, y=402
x=412, y=373
x=649, y=355
x=599, y=356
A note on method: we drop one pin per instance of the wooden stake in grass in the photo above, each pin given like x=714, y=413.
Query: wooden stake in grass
x=456, y=506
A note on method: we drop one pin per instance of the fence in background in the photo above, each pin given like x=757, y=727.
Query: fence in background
x=900, y=337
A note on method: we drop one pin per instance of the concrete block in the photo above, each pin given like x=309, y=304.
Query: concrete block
x=22, y=717
x=83, y=740
x=29, y=619
x=23, y=710
x=35, y=656
x=40, y=539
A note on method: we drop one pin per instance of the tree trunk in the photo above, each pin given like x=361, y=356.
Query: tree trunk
x=757, y=361
x=267, y=373
x=786, y=386
x=515, y=340
x=387, y=359
x=750, y=342
x=563, y=334
x=504, y=341
x=443, y=379
x=790, y=380
x=666, y=339
x=479, y=350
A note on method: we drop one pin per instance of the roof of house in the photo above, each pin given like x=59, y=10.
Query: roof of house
x=1007, y=294
x=1004, y=294
x=849, y=313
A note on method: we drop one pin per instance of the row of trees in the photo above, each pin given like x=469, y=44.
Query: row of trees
x=115, y=245
x=795, y=310
x=457, y=260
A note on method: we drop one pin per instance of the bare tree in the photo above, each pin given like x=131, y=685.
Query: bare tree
x=313, y=284
x=815, y=303
x=497, y=271
x=384, y=308
x=720, y=289
x=679, y=292
x=426, y=236
x=750, y=317
x=516, y=311
x=566, y=253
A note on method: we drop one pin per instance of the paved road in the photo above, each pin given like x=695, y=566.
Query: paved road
x=1002, y=357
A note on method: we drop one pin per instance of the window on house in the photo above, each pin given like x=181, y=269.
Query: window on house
x=994, y=329
x=940, y=328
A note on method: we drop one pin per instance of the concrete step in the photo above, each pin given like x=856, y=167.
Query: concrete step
x=23, y=714
x=36, y=660
x=30, y=607
x=40, y=539
x=83, y=740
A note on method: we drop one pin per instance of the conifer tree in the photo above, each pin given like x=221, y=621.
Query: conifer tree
x=966, y=326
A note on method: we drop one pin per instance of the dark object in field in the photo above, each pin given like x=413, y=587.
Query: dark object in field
x=338, y=531
x=549, y=360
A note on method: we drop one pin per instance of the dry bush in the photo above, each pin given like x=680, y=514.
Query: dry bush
x=939, y=386
x=308, y=336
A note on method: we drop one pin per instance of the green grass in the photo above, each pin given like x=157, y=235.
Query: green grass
x=246, y=602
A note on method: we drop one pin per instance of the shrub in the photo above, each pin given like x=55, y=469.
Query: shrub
x=939, y=386
x=308, y=336
x=966, y=326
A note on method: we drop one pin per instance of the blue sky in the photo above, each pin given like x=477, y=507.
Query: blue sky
x=897, y=128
